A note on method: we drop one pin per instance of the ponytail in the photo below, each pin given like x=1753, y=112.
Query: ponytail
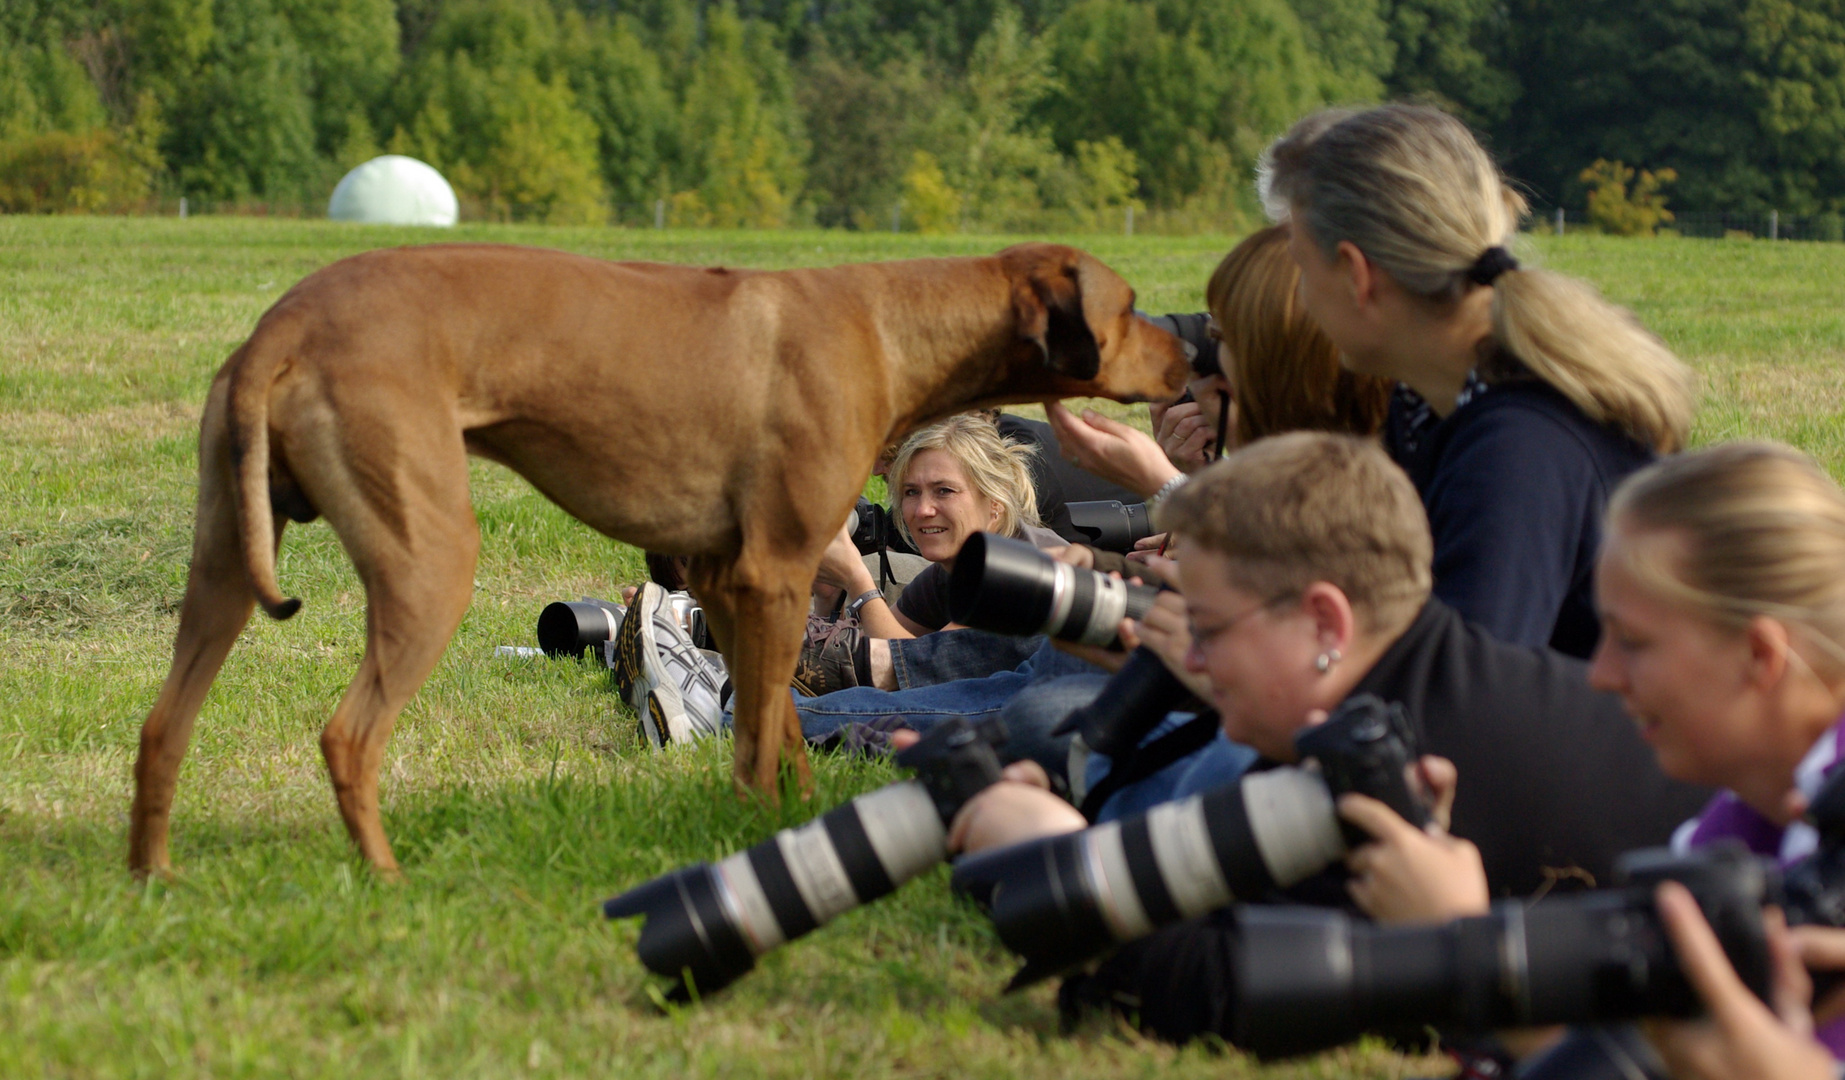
x=1596, y=354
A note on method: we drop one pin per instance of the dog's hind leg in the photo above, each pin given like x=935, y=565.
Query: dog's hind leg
x=411, y=533
x=757, y=607
x=216, y=607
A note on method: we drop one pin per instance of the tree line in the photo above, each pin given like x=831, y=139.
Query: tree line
x=926, y=114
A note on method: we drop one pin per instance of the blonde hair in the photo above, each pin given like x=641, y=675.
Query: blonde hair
x=1285, y=371
x=1311, y=506
x=1761, y=531
x=1412, y=189
x=995, y=466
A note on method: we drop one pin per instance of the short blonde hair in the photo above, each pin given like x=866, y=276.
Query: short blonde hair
x=1412, y=188
x=1762, y=531
x=995, y=466
x=1309, y=506
x=1286, y=373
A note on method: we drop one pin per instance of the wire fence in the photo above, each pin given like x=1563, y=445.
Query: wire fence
x=1770, y=225
x=1712, y=224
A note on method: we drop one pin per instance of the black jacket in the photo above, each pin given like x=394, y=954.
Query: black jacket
x=1515, y=482
x=1554, y=783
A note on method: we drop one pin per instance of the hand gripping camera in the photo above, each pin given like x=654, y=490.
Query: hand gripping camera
x=1009, y=587
x=1060, y=901
x=707, y=924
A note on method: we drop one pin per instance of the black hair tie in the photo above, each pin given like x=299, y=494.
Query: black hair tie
x=1492, y=262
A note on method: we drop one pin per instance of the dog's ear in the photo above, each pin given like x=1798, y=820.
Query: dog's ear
x=1049, y=303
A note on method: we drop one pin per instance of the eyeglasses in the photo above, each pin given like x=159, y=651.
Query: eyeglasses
x=1199, y=639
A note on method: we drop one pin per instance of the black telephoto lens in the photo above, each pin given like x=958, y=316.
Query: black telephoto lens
x=707, y=924
x=1058, y=901
x=569, y=627
x=1110, y=524
x=1313, y=978
x=1009, y=587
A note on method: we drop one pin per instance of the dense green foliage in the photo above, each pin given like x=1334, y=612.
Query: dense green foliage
x=974, y=114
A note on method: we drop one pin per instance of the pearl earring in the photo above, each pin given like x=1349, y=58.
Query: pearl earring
x=1323, y=663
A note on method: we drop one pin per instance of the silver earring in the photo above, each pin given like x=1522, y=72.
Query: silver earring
x=1323, y=663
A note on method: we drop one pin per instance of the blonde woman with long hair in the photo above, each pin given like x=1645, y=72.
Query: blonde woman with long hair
x=1525, y=397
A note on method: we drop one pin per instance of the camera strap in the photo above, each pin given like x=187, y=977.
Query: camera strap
x=1186, y=739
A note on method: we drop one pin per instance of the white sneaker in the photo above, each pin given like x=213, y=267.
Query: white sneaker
x=662, y=674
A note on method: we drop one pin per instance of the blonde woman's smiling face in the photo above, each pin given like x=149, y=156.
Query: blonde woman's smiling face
x=941, y=507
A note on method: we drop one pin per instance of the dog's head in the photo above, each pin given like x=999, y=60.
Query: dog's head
x=1078, y=315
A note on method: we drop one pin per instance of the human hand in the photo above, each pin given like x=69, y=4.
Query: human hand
x=1078, y=555
x=1411, y=875
x=1186, y=436
x=1012, y=812
x=1822, y=948
x=1740, y=1036
x=1146, y=548
x=841, y=566
x=1110, y=449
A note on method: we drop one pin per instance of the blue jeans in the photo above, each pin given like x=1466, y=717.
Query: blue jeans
x=976, y=699
x=1044, y=704
x=948, y=655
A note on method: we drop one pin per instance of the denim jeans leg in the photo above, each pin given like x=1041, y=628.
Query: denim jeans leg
x=922, y=708
x=948, y=655
x=1213, y=765
x=1038, y=708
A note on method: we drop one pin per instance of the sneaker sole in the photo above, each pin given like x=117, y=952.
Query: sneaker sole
x=666, y=712
x=653, y=731
x=635, y=659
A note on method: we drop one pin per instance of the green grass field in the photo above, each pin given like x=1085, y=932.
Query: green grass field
x=517, y=794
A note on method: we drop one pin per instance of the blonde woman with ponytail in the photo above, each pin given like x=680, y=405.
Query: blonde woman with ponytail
x=1524, y=396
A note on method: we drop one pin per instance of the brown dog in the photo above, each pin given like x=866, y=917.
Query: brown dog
x=730, y=415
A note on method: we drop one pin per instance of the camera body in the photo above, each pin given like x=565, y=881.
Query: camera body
x=707, y=923
x=873, y=528
x=1063, y=900
x=1312, y=978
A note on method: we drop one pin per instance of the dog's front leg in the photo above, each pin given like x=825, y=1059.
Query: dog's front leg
x=756, y=606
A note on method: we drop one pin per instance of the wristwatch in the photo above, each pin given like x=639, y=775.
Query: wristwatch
x=859, y=601
x=1166, y=489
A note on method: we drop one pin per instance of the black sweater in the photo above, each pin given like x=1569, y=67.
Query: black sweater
x=1515, y=481
x=1554, y=783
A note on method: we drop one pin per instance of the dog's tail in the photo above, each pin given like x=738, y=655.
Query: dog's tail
x=253, y=373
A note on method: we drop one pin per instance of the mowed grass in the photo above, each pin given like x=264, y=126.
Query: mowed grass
x=518, y=794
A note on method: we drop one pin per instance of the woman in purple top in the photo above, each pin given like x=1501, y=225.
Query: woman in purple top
x=1721, y=586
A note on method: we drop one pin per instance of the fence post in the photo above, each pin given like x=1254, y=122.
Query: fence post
x=659, y=213
x=1559, y=221
x=182, y=206
x=896, y=217
x=1129, y=228
x=1774, y=224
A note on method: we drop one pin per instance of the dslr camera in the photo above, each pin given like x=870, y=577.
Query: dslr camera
x=873, y=528
x=1060, y=901
x=707, y=924
x=1009, y=587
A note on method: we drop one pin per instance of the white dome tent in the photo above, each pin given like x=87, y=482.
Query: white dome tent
x=394, y=190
